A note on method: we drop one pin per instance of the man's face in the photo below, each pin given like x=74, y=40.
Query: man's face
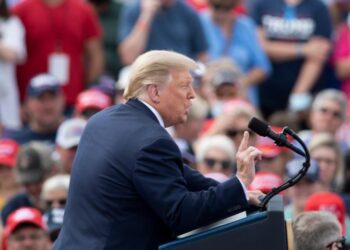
x=175, y=98
x=28, y=237
x=46, y=109
x=327, y=160
x=34, y=189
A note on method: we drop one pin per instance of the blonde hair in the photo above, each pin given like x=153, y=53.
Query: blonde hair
x=154, y=67
x=327, y=140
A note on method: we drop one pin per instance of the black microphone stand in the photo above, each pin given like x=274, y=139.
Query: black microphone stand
x=292, y=181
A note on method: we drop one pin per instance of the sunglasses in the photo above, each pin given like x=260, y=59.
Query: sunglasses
x=340, y=243
x=235, y=132
x=335, y=114
x=221, y=7
x=269, y=159
x=210, y=162
x=61, y=202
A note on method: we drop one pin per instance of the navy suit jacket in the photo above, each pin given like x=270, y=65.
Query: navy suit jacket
x=130, y=190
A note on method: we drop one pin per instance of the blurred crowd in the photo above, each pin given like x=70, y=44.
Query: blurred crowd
x=284, y=61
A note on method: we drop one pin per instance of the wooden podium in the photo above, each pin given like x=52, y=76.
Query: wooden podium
x=257, y=231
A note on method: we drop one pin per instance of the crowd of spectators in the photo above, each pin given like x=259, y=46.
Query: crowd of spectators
x=284, y=61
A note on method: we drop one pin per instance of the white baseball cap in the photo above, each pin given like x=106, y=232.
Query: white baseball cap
x=69, y=133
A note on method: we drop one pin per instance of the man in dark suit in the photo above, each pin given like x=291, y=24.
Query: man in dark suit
x=129, y=188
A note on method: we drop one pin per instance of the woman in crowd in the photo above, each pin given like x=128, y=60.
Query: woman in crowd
x=325, y=150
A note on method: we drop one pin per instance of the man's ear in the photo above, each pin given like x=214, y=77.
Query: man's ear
x=153, y=93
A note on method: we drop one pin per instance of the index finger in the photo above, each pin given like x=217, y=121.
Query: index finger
x=244, y=143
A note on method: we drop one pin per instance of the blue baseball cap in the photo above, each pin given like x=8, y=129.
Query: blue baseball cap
x=42, y=83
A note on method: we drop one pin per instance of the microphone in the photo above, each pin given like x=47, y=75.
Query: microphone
x=262, y=129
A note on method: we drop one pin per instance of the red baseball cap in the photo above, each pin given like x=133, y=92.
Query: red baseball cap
x=24, y=215
x=8, y=152
x=265, y=181
x=268, y=148
x=328, y=201
x=92, y=98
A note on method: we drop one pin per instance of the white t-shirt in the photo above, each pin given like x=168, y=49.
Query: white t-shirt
x=12, y=35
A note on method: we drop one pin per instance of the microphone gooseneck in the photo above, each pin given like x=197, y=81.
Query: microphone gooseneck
x=263, y=129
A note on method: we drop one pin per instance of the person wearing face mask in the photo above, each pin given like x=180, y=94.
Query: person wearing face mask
x=221, y=84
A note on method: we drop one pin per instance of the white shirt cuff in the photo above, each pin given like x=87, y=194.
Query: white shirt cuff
x=244, y=189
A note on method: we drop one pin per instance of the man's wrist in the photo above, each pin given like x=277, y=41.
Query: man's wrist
x=244, y=187
x=245, y=180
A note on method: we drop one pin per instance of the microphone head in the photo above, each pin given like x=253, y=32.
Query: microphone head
x=258, y=126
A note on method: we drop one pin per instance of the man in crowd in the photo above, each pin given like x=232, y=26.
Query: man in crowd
x=91, y=101
x=317, y=230
x=128, y=171
x=26, y=230
x=33, y=165
x=45, y=106
x=68, y=137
